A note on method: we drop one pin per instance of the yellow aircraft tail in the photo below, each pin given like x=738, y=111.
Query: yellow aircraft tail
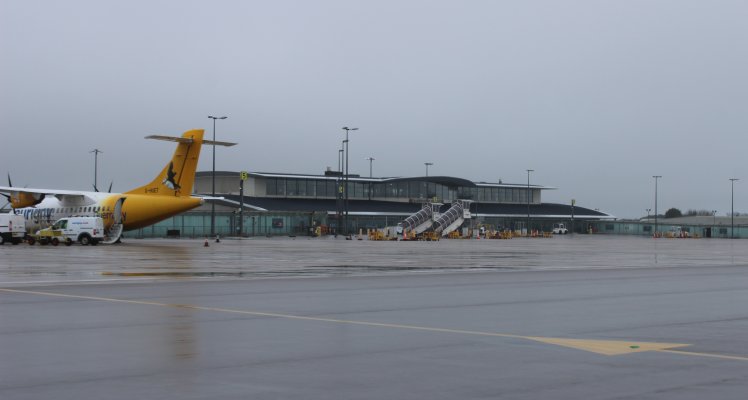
x=178, y=176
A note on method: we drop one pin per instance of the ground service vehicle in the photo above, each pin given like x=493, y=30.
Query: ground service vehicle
x=12, y=228
x=85, y=230
x=560, y=229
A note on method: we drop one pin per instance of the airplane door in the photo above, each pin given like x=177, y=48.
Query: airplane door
x=118, y=210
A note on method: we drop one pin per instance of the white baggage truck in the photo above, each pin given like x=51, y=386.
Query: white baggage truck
x=12, y=228
x=85, y=230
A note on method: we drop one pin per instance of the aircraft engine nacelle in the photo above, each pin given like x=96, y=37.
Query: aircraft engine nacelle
x=25, y=199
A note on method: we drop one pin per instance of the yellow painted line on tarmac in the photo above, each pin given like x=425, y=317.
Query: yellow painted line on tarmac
x=604, y=347
x=693, y=353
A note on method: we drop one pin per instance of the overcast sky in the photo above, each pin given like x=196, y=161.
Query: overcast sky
x=595, y=96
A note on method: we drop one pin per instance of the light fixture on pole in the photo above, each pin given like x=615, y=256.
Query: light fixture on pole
x=648, y=211
x=427, y=164
x=371, y=160
x=656, y=178
x=528, y=200
x=213, y=180
x=714, y=217
x=732, y=207
x=347, y=130
x=96, y=167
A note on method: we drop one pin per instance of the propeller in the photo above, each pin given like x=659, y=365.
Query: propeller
x=7, y=196
x=110, y=187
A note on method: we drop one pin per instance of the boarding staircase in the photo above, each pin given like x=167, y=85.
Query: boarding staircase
x=114, y=232
x=453, y=218
x=421, y=220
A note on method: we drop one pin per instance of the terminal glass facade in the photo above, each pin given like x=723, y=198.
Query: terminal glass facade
x=401, y=190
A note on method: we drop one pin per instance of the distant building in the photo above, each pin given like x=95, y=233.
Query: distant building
x=283, y=204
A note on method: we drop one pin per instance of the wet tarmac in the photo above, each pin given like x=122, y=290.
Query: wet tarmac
x=315, y=257
x=563, y=318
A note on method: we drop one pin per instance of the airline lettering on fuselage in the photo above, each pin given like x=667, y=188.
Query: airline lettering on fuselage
x=36, y=213
x=45, y=215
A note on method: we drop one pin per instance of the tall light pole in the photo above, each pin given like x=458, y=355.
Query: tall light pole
x=347, y=130
x=371, y=160
x=656, y=178
x=213, y=180
x=427, y=167
x=714, y=217
x=528, y=200
x=732, y=207
x=648, y=211
x=96, y=166
x=339, y=190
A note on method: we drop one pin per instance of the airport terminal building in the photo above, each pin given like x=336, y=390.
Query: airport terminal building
x=296, y=204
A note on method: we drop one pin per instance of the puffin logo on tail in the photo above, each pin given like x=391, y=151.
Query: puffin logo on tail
x=169, y=180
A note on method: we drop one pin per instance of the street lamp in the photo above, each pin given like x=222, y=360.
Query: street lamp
x=371, y=159
x=648, y=210
x=528, y=200
x=339, y=190
x=371, y=175
x=427, y=167
x=96, y=166
x=656, y=178
x=714, y=217
x=213, y=180
x=346, y=129
x=732, y=207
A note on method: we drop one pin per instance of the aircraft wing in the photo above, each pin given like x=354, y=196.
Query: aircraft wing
x=207, y=197
x=27, y=197
x=53, y=192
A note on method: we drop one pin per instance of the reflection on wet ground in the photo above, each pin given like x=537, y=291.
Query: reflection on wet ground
x=306, y=257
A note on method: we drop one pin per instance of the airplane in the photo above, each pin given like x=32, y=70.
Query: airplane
x=168, y=194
